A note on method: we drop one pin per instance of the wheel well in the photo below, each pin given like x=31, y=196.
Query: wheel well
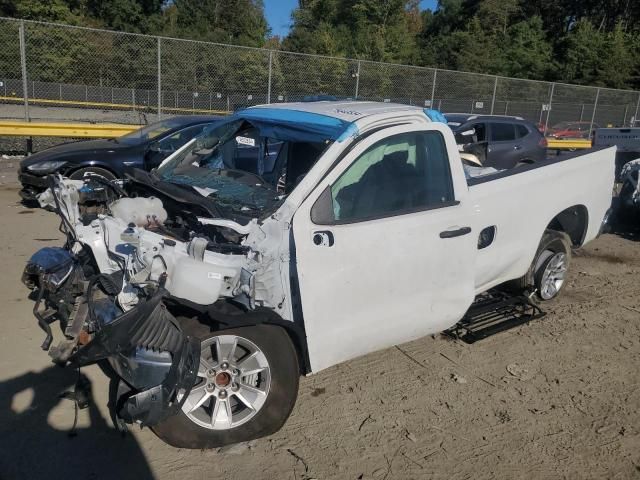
x=573, y=221
x=80, y=167
x=223, y=315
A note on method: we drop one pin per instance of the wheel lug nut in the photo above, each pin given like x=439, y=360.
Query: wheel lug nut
x=236, y=371
x=222, y=394
x=211, y=372
x=224, y=365
x=210, y=386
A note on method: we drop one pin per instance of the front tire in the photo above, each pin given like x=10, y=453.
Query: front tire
x=246, y=388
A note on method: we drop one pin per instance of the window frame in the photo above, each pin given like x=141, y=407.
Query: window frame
x=525, y=129
x=322, y=211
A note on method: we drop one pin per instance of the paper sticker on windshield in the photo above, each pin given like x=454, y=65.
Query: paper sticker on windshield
x=246, y=141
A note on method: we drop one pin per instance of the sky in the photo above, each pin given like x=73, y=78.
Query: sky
x=279, y=13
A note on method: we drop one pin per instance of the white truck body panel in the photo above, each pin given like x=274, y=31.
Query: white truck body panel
x=522, y=204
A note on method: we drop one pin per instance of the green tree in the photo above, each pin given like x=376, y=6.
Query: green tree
x=595, y=57
x=240, y=22
x=526, y=52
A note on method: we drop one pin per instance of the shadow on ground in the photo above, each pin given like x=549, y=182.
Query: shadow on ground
x=33, y=449
x=626, y=224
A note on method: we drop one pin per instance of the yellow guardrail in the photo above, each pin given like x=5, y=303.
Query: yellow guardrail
x=70, y=130
x=116, y=106
x=569, y=144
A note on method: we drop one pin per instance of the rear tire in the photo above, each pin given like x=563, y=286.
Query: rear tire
x=547, y=273
x=247, y=414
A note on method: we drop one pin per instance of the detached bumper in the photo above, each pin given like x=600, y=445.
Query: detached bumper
x=32, y=185
x=129, y=342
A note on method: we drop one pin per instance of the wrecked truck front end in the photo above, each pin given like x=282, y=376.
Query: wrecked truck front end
x=155, y=362
x=115, y=288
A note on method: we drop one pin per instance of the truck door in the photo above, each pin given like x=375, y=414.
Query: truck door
x=383, y=245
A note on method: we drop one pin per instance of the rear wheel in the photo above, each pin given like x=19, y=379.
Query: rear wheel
x=548, y=271
x=246, y=388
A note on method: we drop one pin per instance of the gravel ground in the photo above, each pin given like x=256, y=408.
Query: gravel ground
x=557, y=398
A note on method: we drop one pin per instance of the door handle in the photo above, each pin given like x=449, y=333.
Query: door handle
x=517, y=147
x=323, y=238
x=455, y=233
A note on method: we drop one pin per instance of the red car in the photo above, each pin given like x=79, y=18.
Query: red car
x=565, y=130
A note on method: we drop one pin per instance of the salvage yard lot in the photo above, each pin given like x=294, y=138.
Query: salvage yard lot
x=558, y=398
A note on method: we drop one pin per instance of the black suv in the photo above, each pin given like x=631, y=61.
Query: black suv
x=505, y=141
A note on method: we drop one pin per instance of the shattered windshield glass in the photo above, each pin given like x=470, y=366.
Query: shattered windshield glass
x=238, y=167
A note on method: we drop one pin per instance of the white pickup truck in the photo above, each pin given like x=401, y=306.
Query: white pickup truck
x=285, y=240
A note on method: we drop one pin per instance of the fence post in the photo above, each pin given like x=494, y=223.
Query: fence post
x=270, y=73
x=546, y=122
x=581, y=111
x=595, y=106
x=159, y=80
x=23, y=67
x=635, y=117
x=433, y=87
x=357, y=81
x=495, y=89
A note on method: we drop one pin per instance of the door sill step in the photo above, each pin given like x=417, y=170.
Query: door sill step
x=494, y=312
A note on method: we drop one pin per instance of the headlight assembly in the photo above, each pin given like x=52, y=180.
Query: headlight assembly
x=46, y=167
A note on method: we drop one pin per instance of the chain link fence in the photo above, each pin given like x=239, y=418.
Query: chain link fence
x=65, y=73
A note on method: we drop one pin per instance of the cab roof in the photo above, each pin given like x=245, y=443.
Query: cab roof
x=317, y=121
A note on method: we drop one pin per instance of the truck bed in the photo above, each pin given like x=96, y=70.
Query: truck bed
x=521, y=203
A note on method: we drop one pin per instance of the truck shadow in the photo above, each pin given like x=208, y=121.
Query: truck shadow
x=626, y=225
x=32, y=448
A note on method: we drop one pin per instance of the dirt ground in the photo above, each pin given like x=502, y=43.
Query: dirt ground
x=557, y=398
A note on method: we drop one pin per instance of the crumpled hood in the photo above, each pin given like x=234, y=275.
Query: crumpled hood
x=72, y=150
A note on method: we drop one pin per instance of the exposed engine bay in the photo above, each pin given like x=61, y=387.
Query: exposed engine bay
x=131, y=264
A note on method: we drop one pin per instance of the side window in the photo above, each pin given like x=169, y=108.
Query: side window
x=502, y=132
x=178, y=139
x=399, y=174
x=521, y=131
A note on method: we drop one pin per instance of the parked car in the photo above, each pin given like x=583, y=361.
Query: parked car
x=507, y=141
x=627, y=143
x=210, y=286
x=567, y=130
x=109, y=158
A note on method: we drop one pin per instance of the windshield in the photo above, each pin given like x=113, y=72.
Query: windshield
x=239, y=167
x=150, y=132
